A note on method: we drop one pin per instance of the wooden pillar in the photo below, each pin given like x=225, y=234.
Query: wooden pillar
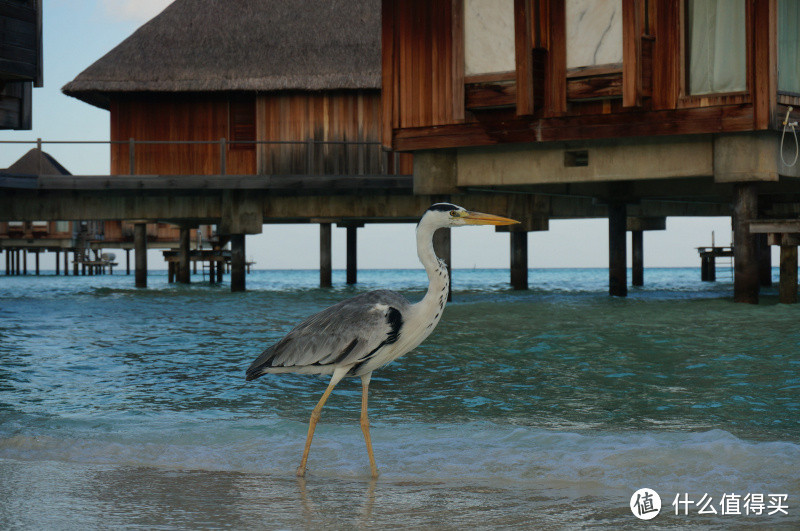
x=18, y=270
x=745, y=265
x=617, y=250
x=237, y=262
x=127, y=261
x=36, y=255
x=637, y=258
x=24, y=261
x=442, y=246
x=58, y=262
x=66, y=262
x=8, y=261
x=788, y=278
x=352, y=254
x=212, y=274
x=220, y=268
x=170, y=272
x=184, y=273
x=764, y=260
x=712, y=268
x=140, y=254
x=75, y=266
x=325, y=263
x=519, y=259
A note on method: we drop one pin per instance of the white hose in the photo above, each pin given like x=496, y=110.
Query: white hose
x=786, y=124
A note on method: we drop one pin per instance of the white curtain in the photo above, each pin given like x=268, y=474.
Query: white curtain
x=717, y=40
x=789, y=46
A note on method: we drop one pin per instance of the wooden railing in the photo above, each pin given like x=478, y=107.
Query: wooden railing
x=308, y=157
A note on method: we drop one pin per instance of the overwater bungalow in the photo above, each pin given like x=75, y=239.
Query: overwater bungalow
x=649, y=108
x=20, y=61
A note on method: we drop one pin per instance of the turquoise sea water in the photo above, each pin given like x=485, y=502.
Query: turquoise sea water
x=541, y=409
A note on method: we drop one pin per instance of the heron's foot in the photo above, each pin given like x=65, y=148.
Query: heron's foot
x=301, y=471
x=375, y=473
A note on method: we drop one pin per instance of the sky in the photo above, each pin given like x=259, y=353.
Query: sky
x=78, y=32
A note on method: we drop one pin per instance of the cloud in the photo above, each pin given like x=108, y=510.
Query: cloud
x=133, y=10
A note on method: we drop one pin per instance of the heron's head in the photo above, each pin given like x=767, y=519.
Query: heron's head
x=450, y=215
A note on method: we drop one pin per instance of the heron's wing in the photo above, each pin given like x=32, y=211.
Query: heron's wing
x=344, y=334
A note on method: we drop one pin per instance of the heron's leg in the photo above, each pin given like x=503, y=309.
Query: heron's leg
x=338, y=374
x=365, y=423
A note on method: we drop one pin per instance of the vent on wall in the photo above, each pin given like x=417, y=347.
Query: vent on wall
x=576, y=158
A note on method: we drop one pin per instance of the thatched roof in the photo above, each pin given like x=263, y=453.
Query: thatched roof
x=242, y=45
x=29, y=164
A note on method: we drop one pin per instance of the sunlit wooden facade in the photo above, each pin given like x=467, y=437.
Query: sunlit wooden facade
x=651, y=108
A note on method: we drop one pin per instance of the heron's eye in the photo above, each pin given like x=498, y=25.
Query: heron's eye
x=454, y=213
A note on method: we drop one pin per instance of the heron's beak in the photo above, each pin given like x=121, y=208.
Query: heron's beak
x=479, y=218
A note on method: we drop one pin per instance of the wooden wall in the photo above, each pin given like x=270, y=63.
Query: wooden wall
x=184, y=117
x=422, y=83
x=337, y=133
x=429, y=104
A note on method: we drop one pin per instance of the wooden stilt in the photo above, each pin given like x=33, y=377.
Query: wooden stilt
x=19, y=262
x=36, y=258
x=220, y=270
x=325, y=263
x=745, y=272
x=352, y=254
x=442, y=248
x=184, y=276
x=58, y=263
x=617, y=250
x=764, y=260
x=24, y=261
x=237, y=262
x=127, y=261
x=788, y=275
x=66, y=262
x=637, y=258
x=140, y=254
x=8, y=262
x=519, y=259
x=170, y=272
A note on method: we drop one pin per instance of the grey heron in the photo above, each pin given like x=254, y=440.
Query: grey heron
x=361, y=334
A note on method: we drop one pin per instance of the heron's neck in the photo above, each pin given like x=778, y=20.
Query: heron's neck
x=438, y=277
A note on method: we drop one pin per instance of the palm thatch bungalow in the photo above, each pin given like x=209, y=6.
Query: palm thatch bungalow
x=243, y=88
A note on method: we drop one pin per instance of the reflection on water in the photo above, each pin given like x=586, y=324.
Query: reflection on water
x=545, y=408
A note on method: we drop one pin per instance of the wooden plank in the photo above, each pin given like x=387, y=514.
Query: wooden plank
x=631, y=53
x=388, y=72
x=775, y=226
x=523, y=44
x=457, y=60
x=556, y=95
x=764, y=61
x=499, y=128
x=486, y=95
x=609, y=86
x=666, y=54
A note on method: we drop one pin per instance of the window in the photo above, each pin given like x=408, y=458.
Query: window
x=789, y=46
x=716, y=39
x=594, y=32
x=488, y=36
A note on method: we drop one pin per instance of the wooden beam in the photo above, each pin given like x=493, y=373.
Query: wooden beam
x=237, y=262
x=556, y=93
x=617, y=251
x=788, y=275
x=637, y=258
x=519, y=260
x=745, y=281
x=388, y=72
x=631, y=53
x=523, y=44
x=140, y=251
x=325, y=267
